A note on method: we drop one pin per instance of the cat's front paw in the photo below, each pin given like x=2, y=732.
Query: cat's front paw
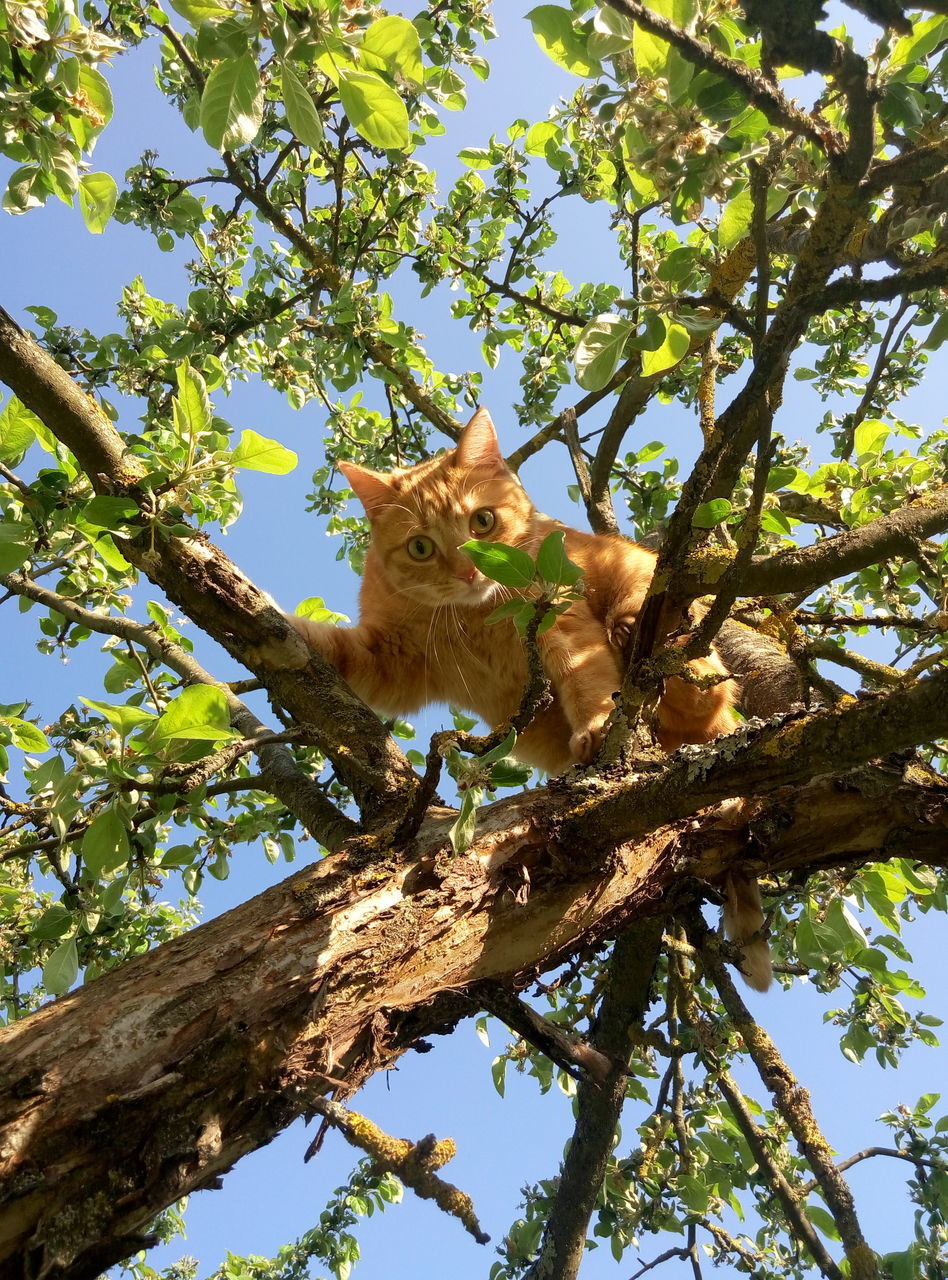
x=619, y=628
x=585, y=743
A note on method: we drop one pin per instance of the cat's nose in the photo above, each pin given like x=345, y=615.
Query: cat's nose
x=466, y=572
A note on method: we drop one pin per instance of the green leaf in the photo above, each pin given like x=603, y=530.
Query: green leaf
x=501, y=751
x=498, y=1071
x=462, y=831
x=937, y=334
x=541, y=135
x=53, y=923
x=26, y=189
x=869, y=438
x=475, y=157
x=125, y=718
x=258, y=453
x=105, y=846
x=61, y=969
x=612, y=33
x=599, y=350
x=559, y=40
x=392, y=44
x=232, y=103
x=553, y=564
x=14, y=547
x=510, y=566
x=192, y=407
x=98, y=97
x=711, y=513
x=301, y=112
x=197, y=713
x=27, y=736
x=97, y=196
x=651, y=51
x=105, y=512
x=17, y=430
x=510, y=773
x=374, y=109
x=673, y=349
x=313, y=607
x=736, y=219
x=823, y=1221
x=198, y=11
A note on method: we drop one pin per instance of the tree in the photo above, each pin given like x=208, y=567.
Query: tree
x=754, y=237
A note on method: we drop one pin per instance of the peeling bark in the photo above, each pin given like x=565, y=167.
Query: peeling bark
x=153, y=1080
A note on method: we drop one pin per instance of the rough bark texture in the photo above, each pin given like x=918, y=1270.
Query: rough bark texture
x=153, y=1080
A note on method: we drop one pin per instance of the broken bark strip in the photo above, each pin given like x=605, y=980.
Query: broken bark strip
x=153, y=1080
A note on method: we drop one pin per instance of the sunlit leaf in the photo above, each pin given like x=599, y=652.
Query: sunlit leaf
x=232, y=103
x=374, y=109
x=258, y=453
x=300, y=110
x=559, y=39
x=392, y=44
x=510, y=566
x=17, y=430
x=553, y=564
x=198, y=712
x=711, y=513
x=599, y=350
x=97, y=196
x=673, y=349
x=105, y=845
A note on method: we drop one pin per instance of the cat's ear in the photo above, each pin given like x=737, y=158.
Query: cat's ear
x=478, y=445
x=371, y=488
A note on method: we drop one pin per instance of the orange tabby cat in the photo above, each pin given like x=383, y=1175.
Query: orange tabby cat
x=422, y=634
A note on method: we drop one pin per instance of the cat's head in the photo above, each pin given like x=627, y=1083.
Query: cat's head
x=420, y=516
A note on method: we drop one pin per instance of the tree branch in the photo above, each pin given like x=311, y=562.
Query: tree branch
x=210, y=588
x=280, y=773
x=599, y=1103
x=760, y=92
x=793, y=1103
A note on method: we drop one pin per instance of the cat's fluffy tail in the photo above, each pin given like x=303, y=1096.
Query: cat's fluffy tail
x=743, y=921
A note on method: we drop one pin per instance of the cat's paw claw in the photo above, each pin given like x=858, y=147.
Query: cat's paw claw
x=619, y=629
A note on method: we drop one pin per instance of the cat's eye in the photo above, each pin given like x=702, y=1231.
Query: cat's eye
x=420, y=547
x=482, y=522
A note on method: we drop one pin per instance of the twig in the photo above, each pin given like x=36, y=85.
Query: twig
x=793, y=1104
x=301, y=796
x=573, y=1055
x=598, y=1104
x=759, y=92
x=414, y=1162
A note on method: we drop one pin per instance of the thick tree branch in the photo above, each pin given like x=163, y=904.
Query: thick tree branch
x=793, y=1103
x=806, y=568
x=599, y=1103
x=212, y=591
x=188, y=1057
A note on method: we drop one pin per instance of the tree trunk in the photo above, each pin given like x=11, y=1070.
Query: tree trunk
x=153, y=1080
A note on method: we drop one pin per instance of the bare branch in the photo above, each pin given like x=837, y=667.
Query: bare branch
x=793, y=1103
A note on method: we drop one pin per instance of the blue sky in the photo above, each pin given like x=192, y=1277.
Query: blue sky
x=503, y=1144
